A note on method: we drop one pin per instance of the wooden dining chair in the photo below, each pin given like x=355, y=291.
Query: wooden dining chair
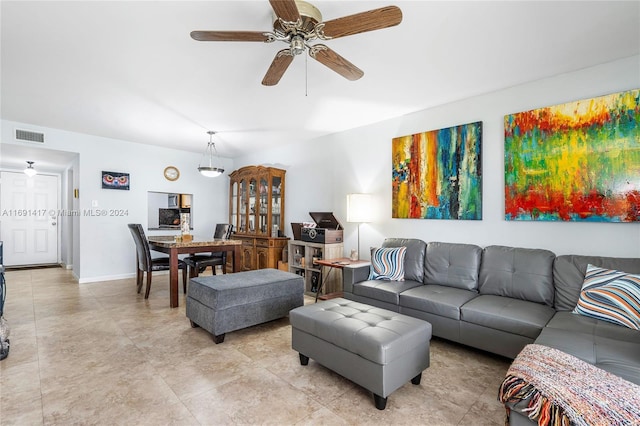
x=145, y=263
x=198, y=263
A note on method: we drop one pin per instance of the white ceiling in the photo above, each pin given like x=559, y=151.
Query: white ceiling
x=129, y=70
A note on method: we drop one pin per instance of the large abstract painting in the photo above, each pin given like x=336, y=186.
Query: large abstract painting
x=438, y=174
x=578, y=161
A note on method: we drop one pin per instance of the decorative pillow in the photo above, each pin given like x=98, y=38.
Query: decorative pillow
x=387, y=263
x=610, y=295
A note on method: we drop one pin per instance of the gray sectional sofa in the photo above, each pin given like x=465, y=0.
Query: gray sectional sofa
x=500, y=299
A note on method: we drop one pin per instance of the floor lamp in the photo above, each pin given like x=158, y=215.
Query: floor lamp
x=359, y=211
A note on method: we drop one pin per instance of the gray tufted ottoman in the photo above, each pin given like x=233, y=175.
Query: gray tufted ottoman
x=224, y=303
x=378, y=349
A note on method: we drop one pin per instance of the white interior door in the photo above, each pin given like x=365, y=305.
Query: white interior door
x=29, y=218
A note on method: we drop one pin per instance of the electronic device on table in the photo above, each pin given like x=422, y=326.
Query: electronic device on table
x=327, y=231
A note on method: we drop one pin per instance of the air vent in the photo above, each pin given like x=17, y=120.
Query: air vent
x=26, y=135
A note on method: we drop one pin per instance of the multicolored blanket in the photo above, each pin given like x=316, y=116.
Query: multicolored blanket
x=562, y=390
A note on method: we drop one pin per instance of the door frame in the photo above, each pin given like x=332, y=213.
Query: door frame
x=60, y=203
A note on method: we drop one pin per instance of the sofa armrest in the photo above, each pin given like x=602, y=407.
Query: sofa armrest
x=352, y=275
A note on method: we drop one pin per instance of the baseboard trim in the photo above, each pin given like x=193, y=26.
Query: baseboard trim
x=106, y=278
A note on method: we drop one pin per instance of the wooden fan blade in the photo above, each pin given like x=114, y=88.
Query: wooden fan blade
x=285, y=9
x=331, y=59
x=375, y=19
x=228, y=36
x=277, y=68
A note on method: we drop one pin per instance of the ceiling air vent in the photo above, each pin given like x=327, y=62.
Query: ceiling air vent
x=26, y=135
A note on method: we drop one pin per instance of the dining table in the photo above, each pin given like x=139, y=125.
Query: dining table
x=174, y=246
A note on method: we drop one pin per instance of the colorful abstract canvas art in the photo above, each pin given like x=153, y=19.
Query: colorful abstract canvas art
x=438, y=174
x=578, y=161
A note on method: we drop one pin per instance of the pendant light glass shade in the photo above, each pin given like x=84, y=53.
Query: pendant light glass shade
x=29, y=170
x=207, y=167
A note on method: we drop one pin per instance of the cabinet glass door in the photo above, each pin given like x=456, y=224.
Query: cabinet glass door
x=252, y=206
x=264, y=205
x=234, y=206
x=276, y=205
x=243, y=206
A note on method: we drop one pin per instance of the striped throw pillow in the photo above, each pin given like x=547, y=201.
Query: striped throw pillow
x=610, y=295
x=387, y=263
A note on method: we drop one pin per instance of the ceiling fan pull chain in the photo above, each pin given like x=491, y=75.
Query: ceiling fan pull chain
x=306, y=76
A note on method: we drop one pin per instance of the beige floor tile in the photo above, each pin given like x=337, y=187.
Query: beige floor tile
x=258, y=397
x=322, y=417
x=22, y=408
x=101, y=354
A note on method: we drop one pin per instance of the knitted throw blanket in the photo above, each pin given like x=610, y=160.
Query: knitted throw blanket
x=563, y=390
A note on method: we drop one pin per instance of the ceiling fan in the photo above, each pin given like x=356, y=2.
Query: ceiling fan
x=298, y=23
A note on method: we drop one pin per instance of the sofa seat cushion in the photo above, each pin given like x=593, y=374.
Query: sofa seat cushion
x=621, y=358
x=437, y=299
x=593, y=327
x=384, y=291
x=506, y=314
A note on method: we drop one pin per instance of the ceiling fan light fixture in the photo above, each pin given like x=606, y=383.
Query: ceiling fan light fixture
x=297, y=45
x=298, y=23
x=209, y=170
x=29, y=170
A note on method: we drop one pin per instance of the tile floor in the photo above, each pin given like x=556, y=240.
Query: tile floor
x=100, y=354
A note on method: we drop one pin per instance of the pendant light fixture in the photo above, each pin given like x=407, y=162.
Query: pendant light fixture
x=209, y=170
x=29, y=170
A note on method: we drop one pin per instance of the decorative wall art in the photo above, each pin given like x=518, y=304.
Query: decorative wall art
x=438, y=174
x=115, y=180
x=578, y=161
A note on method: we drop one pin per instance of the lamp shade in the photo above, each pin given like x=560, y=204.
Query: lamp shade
x=359, y=208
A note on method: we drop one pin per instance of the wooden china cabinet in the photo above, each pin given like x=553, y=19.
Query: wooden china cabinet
x=256, y=211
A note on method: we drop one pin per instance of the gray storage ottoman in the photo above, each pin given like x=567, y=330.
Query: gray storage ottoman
x=377, y=349
x=224, y=303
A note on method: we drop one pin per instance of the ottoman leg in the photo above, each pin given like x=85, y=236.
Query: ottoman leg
x=193, y=324
x=416, y=380
x=219, y=338
x=380, y=402
x=304, y=360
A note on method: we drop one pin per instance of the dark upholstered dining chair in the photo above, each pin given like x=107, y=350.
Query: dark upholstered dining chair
x=198, y=263
x=145, y=263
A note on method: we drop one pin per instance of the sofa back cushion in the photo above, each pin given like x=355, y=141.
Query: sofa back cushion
x=414, y=257
x=519, y=273
x=569, y=272
x=452, y=265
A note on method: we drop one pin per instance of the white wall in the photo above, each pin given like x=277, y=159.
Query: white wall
x=102, y=245
x=66, y=222
x=322, y=172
